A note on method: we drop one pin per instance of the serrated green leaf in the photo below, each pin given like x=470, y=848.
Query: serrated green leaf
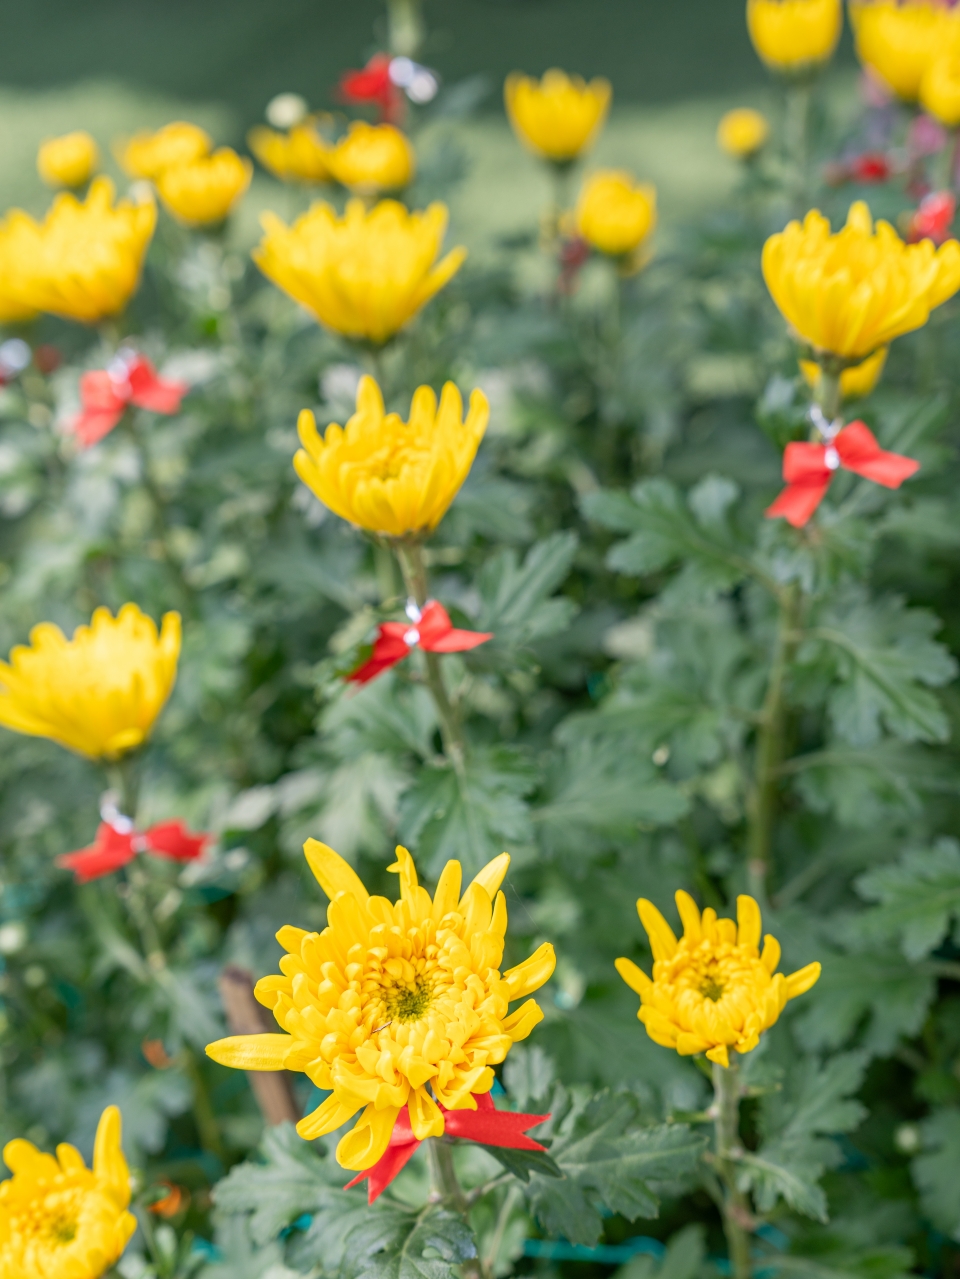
x=788, y=1172
x=437, y=1231
x=935, y=1170
x=918, y=897
x=515, y=597
x=876, y=992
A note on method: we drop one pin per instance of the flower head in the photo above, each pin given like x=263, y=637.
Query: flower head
x=793, y=34
x=373, y=158
x=742, y=132
x=940, y=89
x=68, y=161
x=394, y=1004
x=202, y=192
x=389, y=476
x=99, y=693
x=712, y=990
x=365, y=274
x=60, y=1218
x=301, y=155
x=614, y=213
x=147, y=155
x=849, y=293
x=856, y=382
x=898, y=40
x=19, y=256
x=559, y=116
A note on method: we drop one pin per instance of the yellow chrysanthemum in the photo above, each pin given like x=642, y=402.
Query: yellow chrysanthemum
x=712, y=990
x=394, y=1004
x=373, y=158
x=60, y=1219
x=742, y=132
x=614, y=213
x=386, y=475
x=559, y=116
x=99, y=693
x=68, y=161
x=855, y=382
x=147, y=155
x=19, y=256
x=899, y=39
x=365, y=274
x=204, y=191
x=850, y=293
x=940, y=89
x=792, y=34
x=84, y=260
x=298, y=156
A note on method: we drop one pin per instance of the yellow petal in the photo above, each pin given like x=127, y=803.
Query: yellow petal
x=252, y=1052
x=426, y=1117
x=367, y=1141
x=23, y=1157
x=689, y=915
x=447, y=895
x=492, y=875
x=663, y=943
x=69, y=1158
x=719, y=1055
x=108, y=1160
x=405, y=868
x=801, y=981
x=748, y=922
x=771, y=953
x=532, y=973
x=522, y=1020
x=332, y=873
x=330, y=1115
x=635, y=977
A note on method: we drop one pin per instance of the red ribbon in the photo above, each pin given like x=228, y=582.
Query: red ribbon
x=115, y=847
x=808, y=470
x=486, y=1124
x=934, y=218
x=373, y=84
x=106, y=393
x=430, y=630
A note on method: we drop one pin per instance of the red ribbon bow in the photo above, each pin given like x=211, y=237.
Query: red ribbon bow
x=486, y=1124
x=116, y=845
x=105, y=394
x=808, y=470
x=373, y=84
x=430, y=630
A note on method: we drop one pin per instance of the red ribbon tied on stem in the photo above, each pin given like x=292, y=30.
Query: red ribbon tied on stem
x=430, y=630
x=374, y=84
x=486, y=1125
x=118, y=842
x=105, y=394
x=809, y=468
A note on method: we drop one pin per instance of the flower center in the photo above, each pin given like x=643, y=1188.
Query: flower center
x=62, y=1228
x=408, y=1003
x=711, y=989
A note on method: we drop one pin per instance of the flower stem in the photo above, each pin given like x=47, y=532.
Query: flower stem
x=737, y=1218
x=828, y=390
x=445, y=1188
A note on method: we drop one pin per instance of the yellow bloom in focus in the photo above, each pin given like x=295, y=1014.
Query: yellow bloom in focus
x=855, y=382
x=394, y=1004
x=712, y=990
x=792, y=34
x=614, y=213
x=899, y=39
x=373, y=158
x=559, y=116
x=365, y=274
x=298, y=156
x=99, y=693
x=83, y=261
x=386, y=475
x=849, y=293
x=147, y=155
x=742, y=132
x=68, y=161
x=940, y=89
x=60, y=1219
x=19, y=252
x=204, y=191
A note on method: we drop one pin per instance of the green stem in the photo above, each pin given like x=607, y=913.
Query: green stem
x=799, y=93
x=736, y=1208
x=123, y=776
x=445, y=1188
x=203, y=1112
x=828, y=389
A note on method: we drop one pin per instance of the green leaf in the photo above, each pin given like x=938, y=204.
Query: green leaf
x=515, y=597
x=918, y=897
x=791, y=1174
x=875, y=992
x=888, y=1262
x=599, y=785
x=437, y=1231
x=935, y=1170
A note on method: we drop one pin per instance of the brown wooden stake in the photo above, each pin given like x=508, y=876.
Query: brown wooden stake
x=245, y=1016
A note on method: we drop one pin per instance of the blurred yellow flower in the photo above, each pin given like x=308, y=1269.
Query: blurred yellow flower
x=742, y=132
x=855, y=382
x=98, y=694
x=19, y=253
x=793, y=34
x=83, y=261
x=298, y=156
x=204, y=191
x=373, y=158
x=386, y=475
x=899, y=39
x=712, y=990
x=849, y=293
x=68, y=161
x=59, y=1218
x=614, y=213
x=559, y=116
x=391, y=998
x=146, y=155
x=940, y=89
x=365, y=274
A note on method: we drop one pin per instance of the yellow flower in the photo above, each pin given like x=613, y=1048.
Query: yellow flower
x=940, y=89
x=386, y=475
x=391, y=998
x=850, y=293
x=68, y=161
x=712, y=990
x=559, y=116
x=84, y=259
x=899, y=39
x=855, y=382
x=19, y=253
x=365, y=274
x=146, y=155
x=99, y=693
x=60, y=1219
x=298, y=156
x=373, y=158
x=614, y=213
x=793, y=34
x=742, y=132
x=204, y=191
